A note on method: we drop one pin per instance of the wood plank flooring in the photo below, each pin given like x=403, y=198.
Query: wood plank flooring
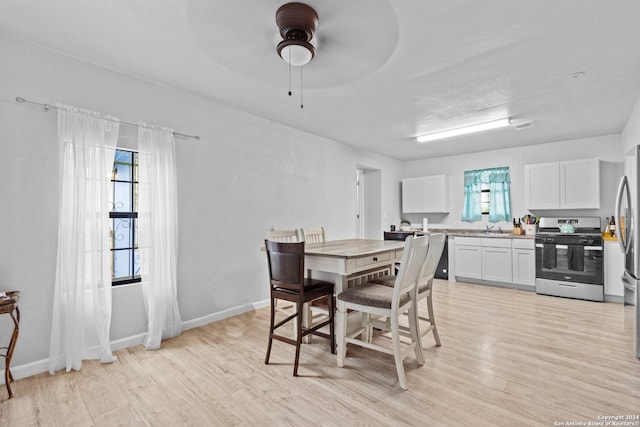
x=508, y=358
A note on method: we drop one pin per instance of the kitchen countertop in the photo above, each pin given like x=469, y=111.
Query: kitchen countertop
x=465, y=232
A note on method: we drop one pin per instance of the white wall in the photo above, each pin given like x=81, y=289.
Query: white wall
x=606, y=148
x=246, y=174
x=631, y=133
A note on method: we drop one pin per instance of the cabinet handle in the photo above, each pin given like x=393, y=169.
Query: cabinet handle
x=375, y=258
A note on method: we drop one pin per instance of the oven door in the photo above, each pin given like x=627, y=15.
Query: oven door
x=570, y=263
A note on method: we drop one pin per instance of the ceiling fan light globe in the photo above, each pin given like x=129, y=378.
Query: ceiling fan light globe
x=296, y=52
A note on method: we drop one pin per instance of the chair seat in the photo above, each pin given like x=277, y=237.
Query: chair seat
x=387, y=280
x=313, y=289
x=372, y=294
x=390, y=279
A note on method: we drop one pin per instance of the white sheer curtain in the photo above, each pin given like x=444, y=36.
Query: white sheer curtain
x=82, y=295
x=158, y=232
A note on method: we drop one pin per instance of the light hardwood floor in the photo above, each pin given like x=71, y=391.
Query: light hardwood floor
x=508, y=358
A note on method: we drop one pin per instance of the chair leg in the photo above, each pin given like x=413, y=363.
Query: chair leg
x=299, y=314
x=414, y=329
x=432, y=320
x=367, y=332
x=341, y=333
x=271, y=323
x=397, y=357
x=332, y=331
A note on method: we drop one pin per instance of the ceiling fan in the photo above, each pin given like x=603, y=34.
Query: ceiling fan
x=350, y=40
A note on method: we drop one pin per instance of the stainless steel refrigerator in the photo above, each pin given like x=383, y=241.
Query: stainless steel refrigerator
x=626, y=214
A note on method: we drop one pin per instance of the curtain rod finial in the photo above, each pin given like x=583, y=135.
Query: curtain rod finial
x=20, y=99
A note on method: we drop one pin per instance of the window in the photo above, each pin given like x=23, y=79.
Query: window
x=125, y=261
x=487, y=191
x=485, y=199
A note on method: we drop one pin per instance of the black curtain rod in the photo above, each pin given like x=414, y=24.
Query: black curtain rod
x=47, y=106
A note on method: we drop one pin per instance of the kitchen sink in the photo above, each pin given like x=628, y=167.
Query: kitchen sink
x=491, y=234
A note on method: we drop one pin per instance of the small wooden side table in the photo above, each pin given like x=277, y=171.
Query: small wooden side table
x=10, y=306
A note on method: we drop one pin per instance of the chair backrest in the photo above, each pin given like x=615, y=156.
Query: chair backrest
x=286, y=264
x=413, y=260
x=292, y=235
x=313, y=234
x=436, y=244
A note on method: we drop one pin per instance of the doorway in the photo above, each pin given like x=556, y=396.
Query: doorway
x=369, y=203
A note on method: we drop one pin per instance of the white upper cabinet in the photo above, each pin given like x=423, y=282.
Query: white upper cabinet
x=542, y=186
x=425, y=194
x=563, y=185
x=580, y=184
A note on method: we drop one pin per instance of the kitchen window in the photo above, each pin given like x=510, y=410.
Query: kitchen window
x=487, y=191
x=125, y=260
x=485, y=199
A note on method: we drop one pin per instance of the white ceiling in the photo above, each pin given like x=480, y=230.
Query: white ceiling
x=385, y=71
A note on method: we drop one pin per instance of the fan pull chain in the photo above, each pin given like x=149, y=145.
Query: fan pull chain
x=301, y=103
x=289, y=71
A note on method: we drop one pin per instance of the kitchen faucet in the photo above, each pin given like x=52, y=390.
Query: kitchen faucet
x=489, y=228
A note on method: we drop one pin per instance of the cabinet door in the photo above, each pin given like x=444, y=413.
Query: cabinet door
x=496, y=264
x=412, y=195
x=542, y=186
x=613, y=269
x=580, y=184
x=425, y=194
x=436, y=194
x=524, y=267
x=468, y=261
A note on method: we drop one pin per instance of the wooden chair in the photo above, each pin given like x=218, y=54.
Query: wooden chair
x=313, y=235
x=425, y=287
x=389, y=302
x=287, y=282
x=291, y=236
x=317, y=311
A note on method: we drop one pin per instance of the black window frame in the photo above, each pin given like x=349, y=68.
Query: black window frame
x=133, y=215
x=485, y=205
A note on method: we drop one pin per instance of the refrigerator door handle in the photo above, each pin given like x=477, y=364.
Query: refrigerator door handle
x=628, y=283
x=623, y=190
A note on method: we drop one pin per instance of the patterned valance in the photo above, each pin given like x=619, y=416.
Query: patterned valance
x=487, y=176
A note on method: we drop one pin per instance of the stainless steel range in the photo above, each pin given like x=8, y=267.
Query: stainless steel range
x=569, y=258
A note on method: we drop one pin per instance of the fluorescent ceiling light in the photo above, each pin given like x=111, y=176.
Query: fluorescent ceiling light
x=465, y=130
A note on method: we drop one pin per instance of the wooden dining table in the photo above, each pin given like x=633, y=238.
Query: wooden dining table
x=350, y=262
x=347, y=263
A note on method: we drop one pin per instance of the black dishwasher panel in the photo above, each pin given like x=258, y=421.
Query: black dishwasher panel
x=442, y=271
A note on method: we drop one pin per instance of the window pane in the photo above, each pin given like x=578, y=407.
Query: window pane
x=122, y=233
x=122, y=263
x=122, y=165
x=135, y=167
x=122, y=172
x=135, y=198
x=121, y=197
x=136, y=262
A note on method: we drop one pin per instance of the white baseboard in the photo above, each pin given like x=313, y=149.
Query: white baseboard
x=39, y=366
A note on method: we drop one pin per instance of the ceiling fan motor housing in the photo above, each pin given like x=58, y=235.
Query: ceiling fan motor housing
x=297, y=22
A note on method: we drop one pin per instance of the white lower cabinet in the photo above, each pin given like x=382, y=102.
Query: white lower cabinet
x=613, y=269
x=496, y=260
x=524, y=262
x=468, y=259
